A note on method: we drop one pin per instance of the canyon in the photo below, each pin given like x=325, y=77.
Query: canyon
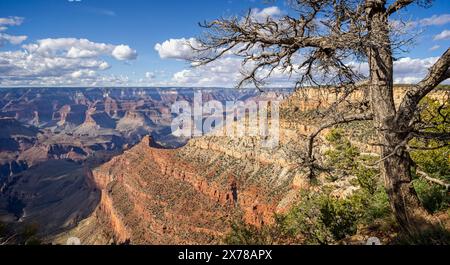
x=191, y=194
x=51, y=138
x=119, y=177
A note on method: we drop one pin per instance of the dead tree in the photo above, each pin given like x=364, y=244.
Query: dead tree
x=317, y=47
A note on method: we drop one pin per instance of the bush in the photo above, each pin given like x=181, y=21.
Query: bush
x=371, y=200
x=435, y=162
x=339, y=217
x=432, y=196
x=305, y=219
x=321, y=219
x=378, y=207
x=367, y=179
x=246, y=234
x=343, y=154
x=437, y=235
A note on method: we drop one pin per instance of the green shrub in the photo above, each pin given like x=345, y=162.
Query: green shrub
x=434, y=162
x=339, y=217
x=304, y=219
x=343, y=154
x=321, y=219
x=367, y=179
x=245, y=234
x=432, y=196
x=372, y=207
x=371, y=200
x=378, y=206
x=437, y=235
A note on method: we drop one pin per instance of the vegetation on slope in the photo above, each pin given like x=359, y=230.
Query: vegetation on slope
x=320, y=217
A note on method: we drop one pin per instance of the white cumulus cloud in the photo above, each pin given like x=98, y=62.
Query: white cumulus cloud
x=411, y=70
x=268, y=12
x=85, y=73
x=70, y=47
x=15, y=40
x=7, y=38
x=177, y=48
x=150, y=75
x=435, y=47
x=62, y=61
x=104, y=66
x=224, y=72
x=11, y=21
x=443, y=35
x=124, y=52
x=80, y=48
x=436, y=20
x=75, y=52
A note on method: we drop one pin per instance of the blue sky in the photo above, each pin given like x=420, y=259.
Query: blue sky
x=129, y=31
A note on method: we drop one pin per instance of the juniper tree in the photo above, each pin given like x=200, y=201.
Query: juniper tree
x=317, y=47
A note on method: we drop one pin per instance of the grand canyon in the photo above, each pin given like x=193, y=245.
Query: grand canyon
x=224, y=123
x=52, y=142
x=101, y=165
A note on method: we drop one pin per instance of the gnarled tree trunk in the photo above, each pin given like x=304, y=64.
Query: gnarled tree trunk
x=410, y=214
x=396, y=162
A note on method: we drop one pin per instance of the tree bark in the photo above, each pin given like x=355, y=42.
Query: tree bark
x=396, y=162
x=410, y=214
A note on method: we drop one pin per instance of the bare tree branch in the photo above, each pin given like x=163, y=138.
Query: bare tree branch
x=411, y=147
x=329, y=124
x=326, y=36
x=434, y=180
x=397, y=5
x=437, y=73
x=5, y=242
x=439, y=136
x=394, y=152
